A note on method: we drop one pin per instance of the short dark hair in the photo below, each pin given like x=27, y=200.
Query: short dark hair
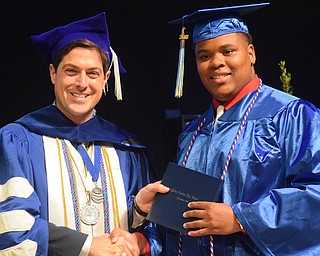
x=84, y=43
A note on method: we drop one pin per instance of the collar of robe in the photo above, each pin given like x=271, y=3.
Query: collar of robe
x=50, y=121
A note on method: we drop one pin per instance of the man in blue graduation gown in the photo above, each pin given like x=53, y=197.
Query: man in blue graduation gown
x=67, y=176
x=263, y=143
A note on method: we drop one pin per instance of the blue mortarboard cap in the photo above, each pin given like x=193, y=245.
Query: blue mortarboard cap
x=94, y=29
x=211, y=23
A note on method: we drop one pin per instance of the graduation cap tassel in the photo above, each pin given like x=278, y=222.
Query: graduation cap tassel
x=180, y=72
x=117, y=86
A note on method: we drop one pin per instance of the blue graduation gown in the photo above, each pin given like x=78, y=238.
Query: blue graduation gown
x=273, y=180
x=22, y=155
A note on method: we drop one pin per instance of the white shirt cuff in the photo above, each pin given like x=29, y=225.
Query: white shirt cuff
x=86, y=246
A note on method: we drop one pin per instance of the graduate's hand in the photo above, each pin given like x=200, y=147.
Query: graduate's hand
x=146, y=195
x=103, y=246
x=212, y=219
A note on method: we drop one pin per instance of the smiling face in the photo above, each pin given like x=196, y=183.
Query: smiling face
x=225, y=64
x=78, y=83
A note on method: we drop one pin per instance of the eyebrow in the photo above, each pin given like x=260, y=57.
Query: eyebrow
x=221, y=47
x=75, y=66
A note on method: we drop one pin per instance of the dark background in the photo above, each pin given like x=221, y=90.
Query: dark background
x=148, y=48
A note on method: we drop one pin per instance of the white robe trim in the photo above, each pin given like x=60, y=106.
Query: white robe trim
x=59, y=190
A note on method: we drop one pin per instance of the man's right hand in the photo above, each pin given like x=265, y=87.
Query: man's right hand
x=103, y=246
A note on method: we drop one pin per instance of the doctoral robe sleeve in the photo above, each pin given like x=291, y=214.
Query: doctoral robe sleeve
x=138, y=170
x=287, y=221
x=23, y=230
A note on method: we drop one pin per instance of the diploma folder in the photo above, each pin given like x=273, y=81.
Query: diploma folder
x=185, y=185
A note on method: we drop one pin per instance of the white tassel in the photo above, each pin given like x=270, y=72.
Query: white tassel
x=117, y=86
x=180, y=72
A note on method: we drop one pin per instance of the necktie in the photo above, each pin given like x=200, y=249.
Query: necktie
x=220, y=111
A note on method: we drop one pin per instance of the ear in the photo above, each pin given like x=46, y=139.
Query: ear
x=106, y=76
x=252, y=54
x=53, y=74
